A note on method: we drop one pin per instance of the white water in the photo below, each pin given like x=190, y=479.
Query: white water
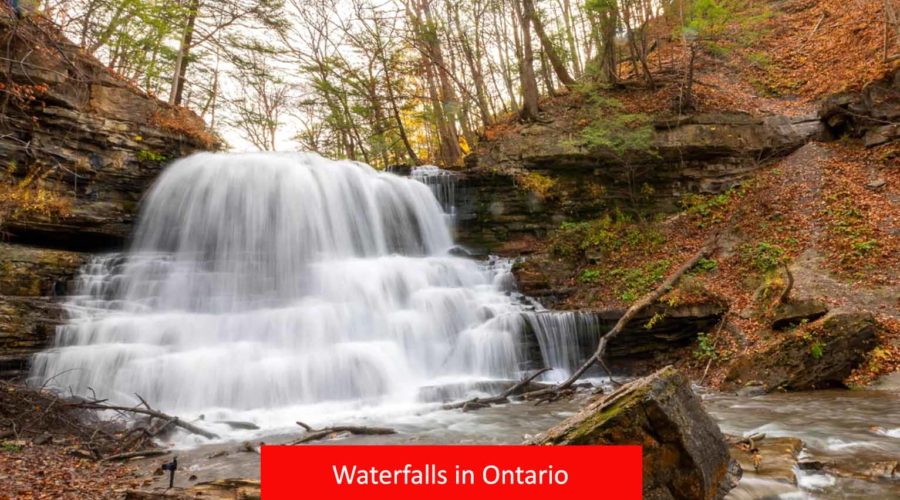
x=261, y=285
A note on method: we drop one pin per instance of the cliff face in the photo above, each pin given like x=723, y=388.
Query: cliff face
x=75, y=128
x=705, y=153
x=70, y=131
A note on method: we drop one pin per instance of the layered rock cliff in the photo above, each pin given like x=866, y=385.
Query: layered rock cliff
x=705, y=153
x=73, y=132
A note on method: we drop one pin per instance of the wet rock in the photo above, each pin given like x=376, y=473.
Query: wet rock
x=776, y=457
x=794, y=312
x=685, y=454
x=822, y=356
x=31, y=282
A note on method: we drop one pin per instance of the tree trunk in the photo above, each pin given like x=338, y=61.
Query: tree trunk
x=559, y=67
x=526, y=69
x=181, y=62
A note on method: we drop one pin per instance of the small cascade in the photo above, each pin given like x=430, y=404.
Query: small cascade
x=442, y=184
x=565, y=339
x=266, y=281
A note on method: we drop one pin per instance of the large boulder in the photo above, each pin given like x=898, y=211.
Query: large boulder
x=818, y=356
x=796, y=312
x=685, y=454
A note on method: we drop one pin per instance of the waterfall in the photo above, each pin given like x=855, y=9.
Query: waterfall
x=275, y=280
x=442, y=184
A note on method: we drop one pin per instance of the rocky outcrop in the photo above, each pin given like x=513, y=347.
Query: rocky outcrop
x=81, y=132
x=31, y=281
x=685, y=455
x=797, y=311
x=659, y=329
x=872, y=114
x=690, y=154
x=72, y=130
x=821, y=356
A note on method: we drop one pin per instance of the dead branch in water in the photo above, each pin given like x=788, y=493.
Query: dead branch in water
x=476, y=403
x=147, y=410
x=317, y=434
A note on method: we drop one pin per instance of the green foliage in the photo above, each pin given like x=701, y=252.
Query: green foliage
x=637, y=281
x=146, y=155
x=620, y=133
x=760, y=59
x=707, y=209
x=705, y=265
x=602, y=236
x=764, y=257
x=706, y=348
x=708, y=17
x=817, y=349
x=656, y=318
x=11, y=448
x=589, y=276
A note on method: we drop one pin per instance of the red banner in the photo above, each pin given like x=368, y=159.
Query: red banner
x=451, y=472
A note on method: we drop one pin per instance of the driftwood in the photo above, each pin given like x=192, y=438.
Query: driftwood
x=476, y=403
x=135, y=454
x=147, y=410
x=317, y=434
x=552, y=393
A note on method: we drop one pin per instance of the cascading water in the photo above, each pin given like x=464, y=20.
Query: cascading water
x=442, y=184
x=261, y=281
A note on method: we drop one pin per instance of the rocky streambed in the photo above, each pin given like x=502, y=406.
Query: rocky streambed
x=820, y=444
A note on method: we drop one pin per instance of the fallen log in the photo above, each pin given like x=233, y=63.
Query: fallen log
x=135, y=454
x=317, y=434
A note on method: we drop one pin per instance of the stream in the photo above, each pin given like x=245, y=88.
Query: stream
x=851, y=429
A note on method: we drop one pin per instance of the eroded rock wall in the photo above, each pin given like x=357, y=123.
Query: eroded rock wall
x=73, y=130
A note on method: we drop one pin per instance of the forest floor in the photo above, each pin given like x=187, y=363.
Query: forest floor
x=830, y=210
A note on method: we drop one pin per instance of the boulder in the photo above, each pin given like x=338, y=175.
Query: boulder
x=871, y=113
x=821, y=355
x=685, y=454
x=795, y=312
